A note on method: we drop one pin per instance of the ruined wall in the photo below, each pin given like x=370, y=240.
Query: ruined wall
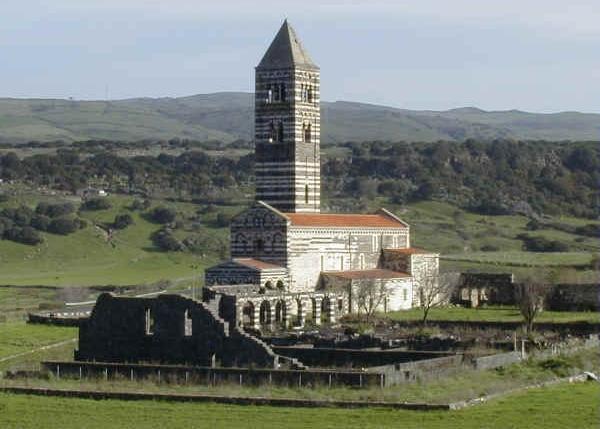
x=475, y=289
x=168, y=329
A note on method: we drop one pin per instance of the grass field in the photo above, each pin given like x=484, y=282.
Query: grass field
x=563, y=406
x=493, y=314
x=24, y=341
x=88, y=258
x=18, y=337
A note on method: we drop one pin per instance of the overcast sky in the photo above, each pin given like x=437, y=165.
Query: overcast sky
x=535, y=55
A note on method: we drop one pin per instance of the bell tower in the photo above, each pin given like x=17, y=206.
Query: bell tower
x=287, y=128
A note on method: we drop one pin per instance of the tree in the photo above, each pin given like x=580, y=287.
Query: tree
x=435, y=291
x=370, y=295
x=98, y=203
x=530, y=296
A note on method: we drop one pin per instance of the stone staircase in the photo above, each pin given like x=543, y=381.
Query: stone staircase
x=212, y=306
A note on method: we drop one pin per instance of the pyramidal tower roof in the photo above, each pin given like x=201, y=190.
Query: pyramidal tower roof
x=286, y=51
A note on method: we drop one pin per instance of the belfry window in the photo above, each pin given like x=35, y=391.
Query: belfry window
x=280, y=132
x=305, y=194
x=283, y=92
x=309, y=95
x=272, y=133
x=307, y=133
x=269, y=99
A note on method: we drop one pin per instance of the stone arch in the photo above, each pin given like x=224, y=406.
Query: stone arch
x=281, y=313
x=279, y=285
x=248, y=315
x=299, y=312
x=326, y=310
x=311, y=310
x=268, y=284
x=265, y=313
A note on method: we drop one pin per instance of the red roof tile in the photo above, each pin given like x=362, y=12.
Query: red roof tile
x=368, y=274
x=408, y=251
x=344, y=220
x=256, y=263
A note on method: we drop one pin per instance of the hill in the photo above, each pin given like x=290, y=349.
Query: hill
x=228, y=116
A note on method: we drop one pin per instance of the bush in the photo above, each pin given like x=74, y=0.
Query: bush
x=98, y=203
x=63, y=226
x=55, y=210
x=122, y=221
x=164, y=240
x=40, y=222
x=163, y=215
x=541, y=244
x=20, y=216
x=24, y=235
x=222, y=220
x=140, y=205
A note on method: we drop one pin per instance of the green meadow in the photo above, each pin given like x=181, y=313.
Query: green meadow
x=561, y=406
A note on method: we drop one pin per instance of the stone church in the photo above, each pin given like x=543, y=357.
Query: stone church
x=290, y=263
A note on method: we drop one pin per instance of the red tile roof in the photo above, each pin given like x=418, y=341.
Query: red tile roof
x=368, y=274
x=257, y=264
x=344, y=220
x=408, y=251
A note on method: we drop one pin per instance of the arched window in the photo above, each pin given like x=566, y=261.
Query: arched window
x=309, y=95
x=305, y=194
x=269, y=99
x=259, y=245
x=280, y=132
x=283, y=92
x=279, y=285
x=272, y=134
x=307, y=133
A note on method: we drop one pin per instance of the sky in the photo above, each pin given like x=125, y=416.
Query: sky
x=532, y=55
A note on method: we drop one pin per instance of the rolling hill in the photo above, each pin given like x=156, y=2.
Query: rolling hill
x=228, y=116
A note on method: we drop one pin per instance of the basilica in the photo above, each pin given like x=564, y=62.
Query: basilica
x=290, y=263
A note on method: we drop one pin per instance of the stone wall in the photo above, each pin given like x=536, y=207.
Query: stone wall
x=575, y=297
x=169, y=328
x=354, y=358
x=475, y=289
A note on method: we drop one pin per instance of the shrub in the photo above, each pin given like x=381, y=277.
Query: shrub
x=63, y=226
x=24, y=235
x=98, y=203
x=122, y=221
x=40, y=222
x=222, y=220
x=165, y=240
x=163, y=215
x=55, y=210
x=20, y=216
x=541, y=244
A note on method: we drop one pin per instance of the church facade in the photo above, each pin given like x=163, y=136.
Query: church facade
x=289, y=262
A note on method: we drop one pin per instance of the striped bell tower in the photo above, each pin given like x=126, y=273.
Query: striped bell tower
x=287, y=126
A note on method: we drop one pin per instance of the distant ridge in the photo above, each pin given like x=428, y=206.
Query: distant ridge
x=228, y=116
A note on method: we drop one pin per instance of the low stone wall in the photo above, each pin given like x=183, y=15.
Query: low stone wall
x=408, y=372
x=496, y=361
x=59, y=318
x=339, y=357
x=214, y=376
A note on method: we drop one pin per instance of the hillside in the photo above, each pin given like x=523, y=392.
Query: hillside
x=228, y=116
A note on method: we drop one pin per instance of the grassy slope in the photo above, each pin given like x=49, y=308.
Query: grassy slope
x=556, y=407
x=87, y=258
x=19, y=337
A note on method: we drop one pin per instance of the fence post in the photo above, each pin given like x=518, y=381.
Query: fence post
x=80, y=373
x=131, y=374
x=58, y=371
